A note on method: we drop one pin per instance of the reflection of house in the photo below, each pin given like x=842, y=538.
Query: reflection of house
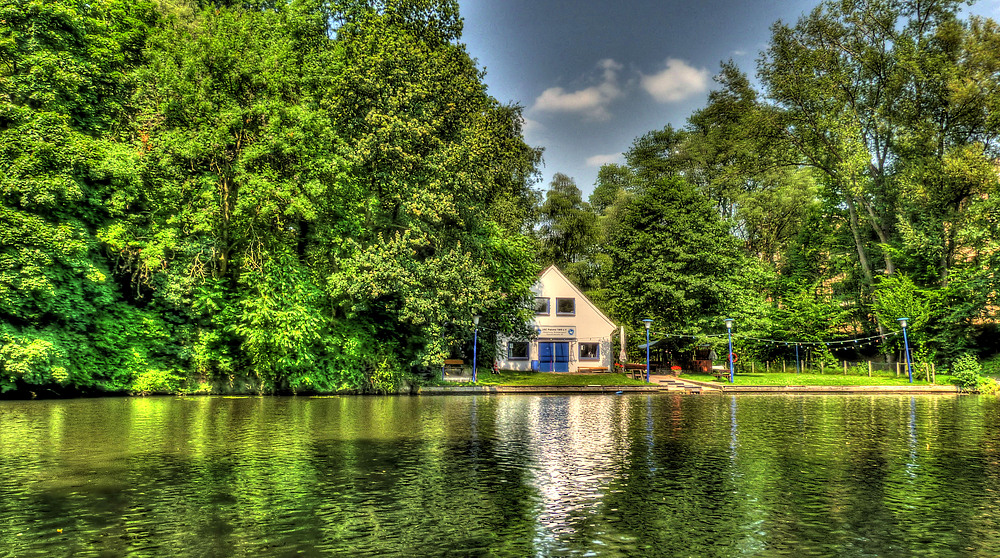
x=571, y=332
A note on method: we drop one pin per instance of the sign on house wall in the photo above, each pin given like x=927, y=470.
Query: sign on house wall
x=557, y=331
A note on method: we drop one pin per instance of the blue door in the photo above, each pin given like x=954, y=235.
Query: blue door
x=553, y=357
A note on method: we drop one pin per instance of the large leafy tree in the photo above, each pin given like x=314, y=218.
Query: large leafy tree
x=64, y=93
x=239, y=164
x=894, y=104
x=885, y=98
x=302, y=194
x=568, y=229
x=443, y=175
x=673, y=259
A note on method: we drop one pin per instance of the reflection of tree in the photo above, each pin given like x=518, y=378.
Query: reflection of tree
x=508, y=475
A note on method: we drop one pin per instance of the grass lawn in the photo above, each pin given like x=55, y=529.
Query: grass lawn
x=780, y=379
x=513, y=378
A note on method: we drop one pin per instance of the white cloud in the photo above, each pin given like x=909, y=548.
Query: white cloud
x=676, y=82
x=592, y=101
x=601, y=160
x=528, y=125
x=739, y=52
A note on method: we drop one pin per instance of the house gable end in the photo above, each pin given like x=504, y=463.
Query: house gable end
x=555, y=272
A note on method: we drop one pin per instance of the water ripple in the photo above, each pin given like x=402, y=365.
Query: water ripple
x=518, y=476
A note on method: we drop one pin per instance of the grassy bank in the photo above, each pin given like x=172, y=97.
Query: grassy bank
x=781, y=379
x=514, y=378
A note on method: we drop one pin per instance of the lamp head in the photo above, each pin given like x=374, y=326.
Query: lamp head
x=648, y=322
x=475, y=319
x=729, y=323
x=902, y=321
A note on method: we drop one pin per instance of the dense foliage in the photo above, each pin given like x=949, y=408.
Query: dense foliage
x=265, y=196
x=309, y=195
x=860, y=184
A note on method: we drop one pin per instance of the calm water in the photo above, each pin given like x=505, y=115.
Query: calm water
x=658, y=475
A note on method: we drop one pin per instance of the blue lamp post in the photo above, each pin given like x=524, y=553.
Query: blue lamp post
x=906, y=347
x=475, y=341
x=648, y=322
x=729, y=328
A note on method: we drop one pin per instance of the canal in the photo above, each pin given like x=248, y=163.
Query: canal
x=510, y=475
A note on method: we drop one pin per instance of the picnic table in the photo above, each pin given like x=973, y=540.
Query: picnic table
x=637, y=370
x=453, y=366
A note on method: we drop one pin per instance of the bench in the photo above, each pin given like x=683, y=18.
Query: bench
x=453, y=366
x=591, y=369
x=720, y=372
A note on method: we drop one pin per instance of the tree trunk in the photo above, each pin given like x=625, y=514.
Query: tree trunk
x=948, y=254
x=882, y=237
x=862, y=254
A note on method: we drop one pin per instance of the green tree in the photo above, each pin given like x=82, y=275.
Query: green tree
x=64, y=93
x=444, y=177
x=892, y=102
x=673, y=259
x=568, y=224
x=612, y=181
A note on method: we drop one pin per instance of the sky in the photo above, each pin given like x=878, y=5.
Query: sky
x=594, y=75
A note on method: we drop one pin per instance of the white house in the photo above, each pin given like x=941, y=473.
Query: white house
x=571, y=333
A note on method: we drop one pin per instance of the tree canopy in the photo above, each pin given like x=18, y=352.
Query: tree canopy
x=307, y=195
x=287, y=196
x=863, y=172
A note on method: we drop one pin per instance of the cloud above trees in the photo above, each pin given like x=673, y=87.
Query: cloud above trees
x=591, y=102
x=678, y=81
x=601, y=160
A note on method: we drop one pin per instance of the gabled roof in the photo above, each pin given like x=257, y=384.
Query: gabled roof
x=579, y=294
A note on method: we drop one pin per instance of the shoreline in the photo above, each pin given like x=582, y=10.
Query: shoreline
x=697, y=387
x=684, y=387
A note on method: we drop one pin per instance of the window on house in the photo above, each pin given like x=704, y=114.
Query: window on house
x=590, y=351
x=517, y=350
x=565, y=306
x=541, y=305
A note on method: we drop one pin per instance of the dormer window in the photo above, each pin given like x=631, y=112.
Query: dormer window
x=565, y=307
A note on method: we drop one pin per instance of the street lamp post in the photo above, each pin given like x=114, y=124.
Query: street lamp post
x=906, y=347
x=729, y=328
x=475, y=342
x=648, y=322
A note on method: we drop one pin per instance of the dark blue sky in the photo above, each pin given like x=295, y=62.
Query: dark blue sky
x=594, y=75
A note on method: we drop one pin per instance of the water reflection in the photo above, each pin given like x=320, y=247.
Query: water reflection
x=574, y=450
x=501, y=476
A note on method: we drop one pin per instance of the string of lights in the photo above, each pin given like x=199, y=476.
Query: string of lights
x=839, y=344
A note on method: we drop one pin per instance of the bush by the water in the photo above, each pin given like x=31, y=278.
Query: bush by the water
x=968, y=372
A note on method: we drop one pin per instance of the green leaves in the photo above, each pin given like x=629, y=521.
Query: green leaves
x=568, y=226
x=672, y=258
x=243, y=197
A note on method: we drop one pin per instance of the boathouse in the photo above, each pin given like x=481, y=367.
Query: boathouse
x=571, y=333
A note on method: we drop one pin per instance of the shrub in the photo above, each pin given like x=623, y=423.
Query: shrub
x=968, y=372
x=154, y=380
x=991, y=366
